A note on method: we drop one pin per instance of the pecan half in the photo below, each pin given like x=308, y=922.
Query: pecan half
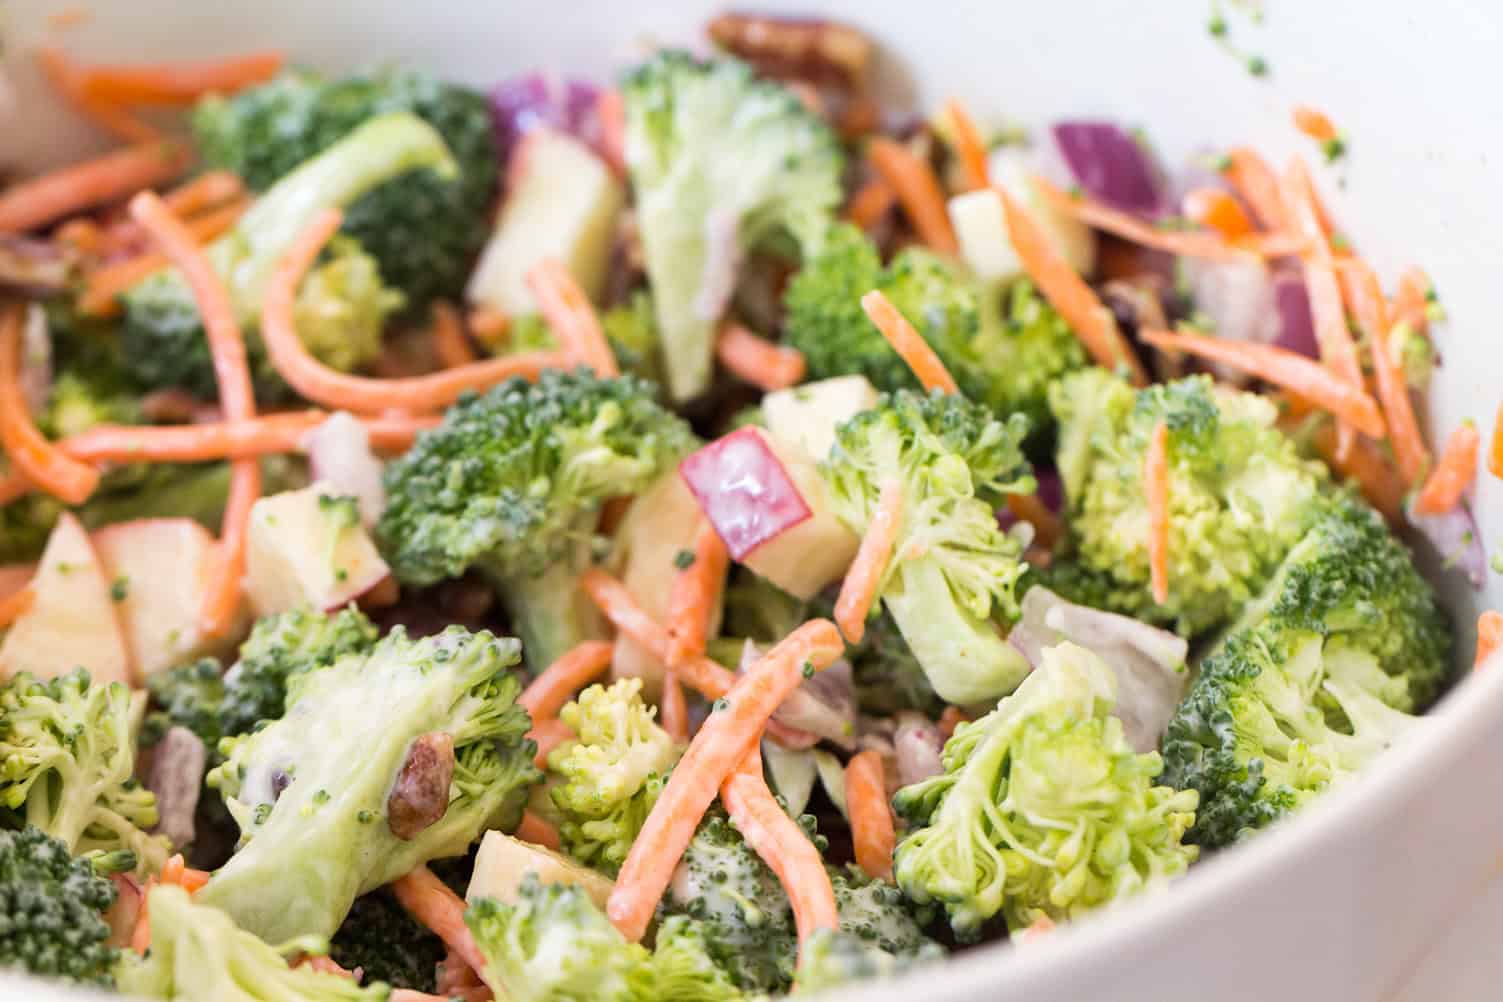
x=819, y=51
x=420, y=794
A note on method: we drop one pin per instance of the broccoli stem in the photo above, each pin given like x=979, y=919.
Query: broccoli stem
x=549, y=612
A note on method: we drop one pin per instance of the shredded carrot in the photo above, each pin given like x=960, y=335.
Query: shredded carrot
x=538, y=831
x=32, y=457
x=1314, y=123
x=1068, y=293
x=1364, y=298
x=1047, y=527
x=140, y=937
x=727, y=735
x=1217, y=210
x=758, y=361
x=177, y=84
x=969, y=147
x=207, y=191
x=1453, y=473
x=198, y=443
x=104, y=286
x=675, y=709
x=571, y=317
x=918, y=191
x=1156, y=487
x=1411, y=302
x=14, y=606
x=232, y=373
x=83, y=235
x=1365, y=465
x=870, y=203
x=440, y=910
x=950, y=718
x=63, y=192
x=1287, y=369
x=783, y=846
x=548, y=734
x=858, y=592
x=694, y=595
x=489, y=325
x=557, y=684
x=361, y=394
x=610, y=108
x=908, y=343
x=175, y=872
x=449, y=343
x=1495, y=448
x=68, y=80
x=872, y=831
x=1489, y=636
x=1257, y=185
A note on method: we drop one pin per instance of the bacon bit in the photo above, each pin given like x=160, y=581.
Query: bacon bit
x=1489, y=636
x=803, y=49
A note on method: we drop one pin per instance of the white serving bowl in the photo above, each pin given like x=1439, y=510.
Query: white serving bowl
x=1346, y=901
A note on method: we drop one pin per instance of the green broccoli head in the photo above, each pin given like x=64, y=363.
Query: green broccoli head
x=54, y=909
x=1239, y=494
x=953, y=568
x=683, y=967
x=1043, y=808
x=721, y=163
x=1024, y=347
x=611, y=776
x=1319, y=676
x=67, y=764
x=282, y=649
x=314, y=791
x=511, y=484
x=344, y=302
x=422, y=229
x=197, y=952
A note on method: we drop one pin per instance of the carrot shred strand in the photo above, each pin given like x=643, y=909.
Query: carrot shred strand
x=908, y=343
x=1489, y=636
x=918, y=191
x=1454, y=472
x=757, y=361
x=858, y=592
x=872, y=831
x=1156, y=487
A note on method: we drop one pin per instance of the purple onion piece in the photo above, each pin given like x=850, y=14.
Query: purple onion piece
x=1051, y=489
x=916, y=748
x=541, y=100
x=1455, y=537
x=1296, y=326
x=1110, y=165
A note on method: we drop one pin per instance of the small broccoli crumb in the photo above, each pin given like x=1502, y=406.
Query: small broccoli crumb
x=120, y=589
x=683, y=559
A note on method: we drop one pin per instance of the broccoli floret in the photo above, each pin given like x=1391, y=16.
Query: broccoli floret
x=609, y=778
x=953, y=568
x=387, y=944
x=310, y=790
x=721, y=163
x=1319, y=676
x=1024, y=347
x=67, y=762
x=343, y=302
x=632, y=330
x=423, y=229
x=683, y=967
x=878, y=936
x=1043, y=808
x=75, y=404
x=198, y=953
x=53, y=907
x=511, y=484
x=888, y=677
x=1239, y=495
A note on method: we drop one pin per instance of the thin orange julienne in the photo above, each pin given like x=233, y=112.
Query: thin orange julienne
x=758, y=361
x=556, y=685
x=1217, y=210
x=1367, y=466
x=1257, y=185
x=1047, y=527
x=31, y=456
x=104, y=286
x=908, y=343
x=1489, y=636
x=538, y=831
x=67, y=79
x=1156, y=488
x=970, y=148
x=63, y=192
x=571, y=317
x=548, y=734
x=1411, y=301
x=1068, y=293
x=694, y=596
x=14, y=606
x=610, y=108
x=873, y=834
x=870, y=203
x=207, y=191
x=450, y=345
x=674, y=708
x=727, y=735
x=1495, y=448
x=266, y=435
x=858, y=592
x=1314, y=123
x=918, y=190
x=440, y=910
x=177, y=84
x=1454, y=472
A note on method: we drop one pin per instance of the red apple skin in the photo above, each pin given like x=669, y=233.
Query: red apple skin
x=744, y=490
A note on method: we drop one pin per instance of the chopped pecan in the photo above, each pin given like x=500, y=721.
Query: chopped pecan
x=40, y=267
x=816, y=50
x=420, y=794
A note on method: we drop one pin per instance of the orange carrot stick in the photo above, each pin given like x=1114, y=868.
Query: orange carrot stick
x=1364, y=298
x=39, y=461
x=1365, y=465
x=571, y=317
x=675, y=710
x=1258, y=186
x=1453, y=473
x=1411, y=302
x=870, y=203
x=1156, y=487
x=950, y=718
x=177, y=84
x=918, y=191
x=207, y=191
x=611, y=110
x=13, y=484
x=557, y=684
x=361, y=394
x=692, y=600
x=908, y=343
x=1287, y=369
x=538, y=831
x=1495, y=448
x=449, y=343
x=1068, y=293
x=783, y=846
x=872, y=831
x=68, y=80
x=730, y=732
x=103, y=288
x=1314, y=123
x=758, y=361
x=488, y=325
x=1217, y=210
x=14, y=606
x=198, y=443
x=1047, y=527
x=45, y=199
x=1489, y=636
x=969, y=146
x=440, y=910
x=548, y=734
x=858, y=592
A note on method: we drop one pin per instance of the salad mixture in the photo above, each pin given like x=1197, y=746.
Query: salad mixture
x=695, y=537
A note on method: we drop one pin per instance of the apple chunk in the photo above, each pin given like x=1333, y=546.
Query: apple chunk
x=503, y=862
x=72, y=621
x=159, y=569
x=307, y=547
x=765, y=498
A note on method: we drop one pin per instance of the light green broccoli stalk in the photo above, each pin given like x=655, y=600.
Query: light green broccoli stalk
x=1239, y=496
x=313, y=792
x=609, y=778
x=1319, y=677
x=344, y=301
x=1043, y=809
x=952, y=567
x=199, y=955
x=721, y=163
x=67, y=764
x=511, y=484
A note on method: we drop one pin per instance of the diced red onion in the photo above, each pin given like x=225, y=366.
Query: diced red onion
x=1238, y=297
x=1296, y=326
x=743, y=490
x=1455, y=537
x=339, y=453
x=176, y=777
x=36, y=360
x=539, y=99
x=1110, y=165
x=1051, y=489
x=916, y=746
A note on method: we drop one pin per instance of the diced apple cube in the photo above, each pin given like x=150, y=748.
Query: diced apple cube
x=160, y=608
x=981, y=228
x=766, y=499
x=808, y=415
x=307, y=547
x=562, y=203
x=503, y=862
x=72, y=621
